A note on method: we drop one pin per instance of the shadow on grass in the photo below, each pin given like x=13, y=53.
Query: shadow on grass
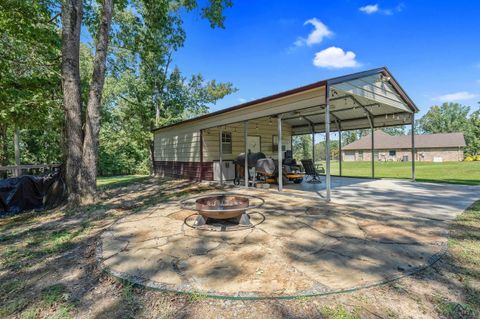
x=42, y=251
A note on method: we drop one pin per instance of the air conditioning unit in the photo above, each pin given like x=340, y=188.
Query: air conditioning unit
x=228, y=170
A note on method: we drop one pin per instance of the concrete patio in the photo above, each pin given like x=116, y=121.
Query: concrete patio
x=372, y=232
x=431, y=200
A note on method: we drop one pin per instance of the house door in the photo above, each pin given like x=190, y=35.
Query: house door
x=253, y=144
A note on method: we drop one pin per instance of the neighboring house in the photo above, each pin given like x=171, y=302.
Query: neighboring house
x=429, y=147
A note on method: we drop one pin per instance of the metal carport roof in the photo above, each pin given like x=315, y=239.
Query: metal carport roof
x=355, y=100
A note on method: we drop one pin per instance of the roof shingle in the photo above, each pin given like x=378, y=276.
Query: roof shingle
x=387, y=141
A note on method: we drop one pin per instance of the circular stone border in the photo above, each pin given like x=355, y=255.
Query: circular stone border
x=158, y=286
x=228, y=228
x=153, y=285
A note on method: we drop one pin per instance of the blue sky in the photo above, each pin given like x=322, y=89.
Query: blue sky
x=431, y=47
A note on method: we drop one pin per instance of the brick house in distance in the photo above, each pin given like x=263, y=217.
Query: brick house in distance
x=429, y=148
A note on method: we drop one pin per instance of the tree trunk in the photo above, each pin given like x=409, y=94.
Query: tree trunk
x=16, y=146
x=72, y=13
x=88, y=178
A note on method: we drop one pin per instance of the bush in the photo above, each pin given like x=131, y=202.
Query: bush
x=469, y=159
x=477, y=158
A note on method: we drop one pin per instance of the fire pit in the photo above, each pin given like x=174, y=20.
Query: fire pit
x=222, y=207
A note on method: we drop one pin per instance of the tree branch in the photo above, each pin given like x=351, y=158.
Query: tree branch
x=54, y=17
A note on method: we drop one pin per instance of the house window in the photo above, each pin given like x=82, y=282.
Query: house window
x=226, y=142
x=392, y=153
x=360, y=155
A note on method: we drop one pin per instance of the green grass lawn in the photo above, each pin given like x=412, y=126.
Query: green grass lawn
x=447, y=172
x=108, y=181
x=464, y=258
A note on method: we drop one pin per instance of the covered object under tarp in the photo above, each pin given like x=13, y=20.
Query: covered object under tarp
x=30, y=192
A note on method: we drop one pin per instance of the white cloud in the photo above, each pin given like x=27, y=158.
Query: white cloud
x=369, y=9
x=319, y=32
x=241, y=100
x=335, y=58
x=457, y=96
x=375, y=8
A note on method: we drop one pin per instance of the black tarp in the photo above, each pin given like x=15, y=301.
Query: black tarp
x=28, y=192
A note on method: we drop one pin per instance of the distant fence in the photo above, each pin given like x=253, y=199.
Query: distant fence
x=33, y=169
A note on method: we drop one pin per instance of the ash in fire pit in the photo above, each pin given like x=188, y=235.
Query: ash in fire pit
x=222, y=207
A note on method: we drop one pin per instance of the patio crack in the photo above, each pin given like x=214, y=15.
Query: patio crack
x=118, y=252
x=159, y=237
x=365, y=234
x=342, y=255
x=330, y=235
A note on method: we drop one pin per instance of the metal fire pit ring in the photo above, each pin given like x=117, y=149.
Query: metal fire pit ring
x=256, y=218
x=185, y=202
x=235, y=207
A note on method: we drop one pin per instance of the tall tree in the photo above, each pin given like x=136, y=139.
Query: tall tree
x=152, y=16
x=88, y=174
x=154, y=91
x=29, y=77
x=395, y=130
x=302, y=146
x=473, y=135
x=453, y=117
x=349, y=137
x=72, y=14
x=447, y=118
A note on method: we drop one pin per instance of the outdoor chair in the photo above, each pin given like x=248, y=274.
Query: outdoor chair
x=311, y=171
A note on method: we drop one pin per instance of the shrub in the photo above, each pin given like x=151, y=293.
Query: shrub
x=477, y=158
x=469, y=159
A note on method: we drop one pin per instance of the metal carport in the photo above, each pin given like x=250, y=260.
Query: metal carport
x=369, y=99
